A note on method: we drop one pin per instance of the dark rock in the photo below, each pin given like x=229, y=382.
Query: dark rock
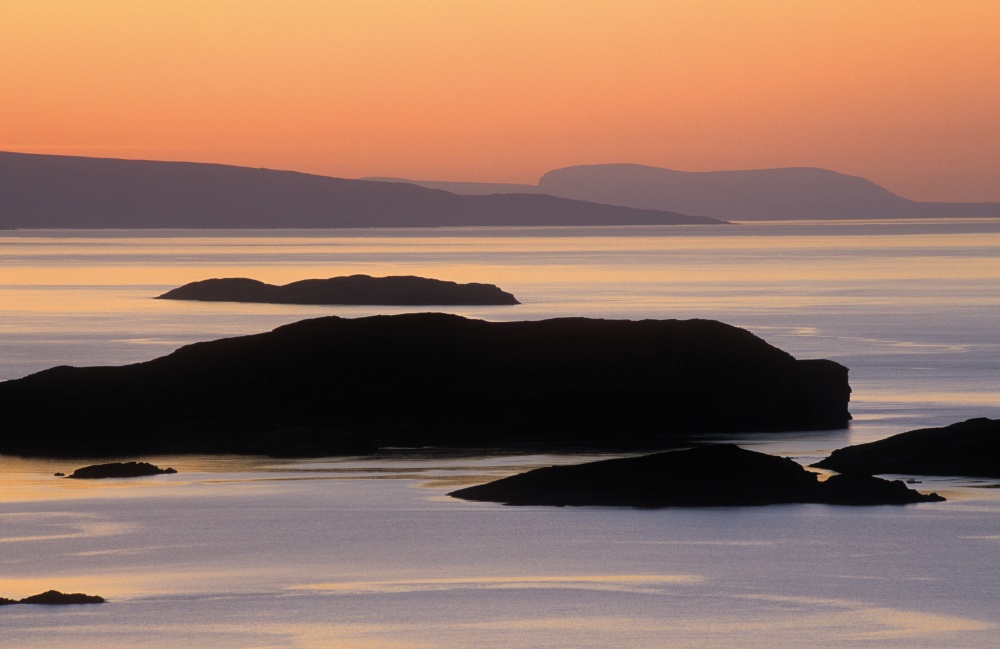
x=722, y=475
x=119, y=470
x=860, y=489
x=969, y=448
x=355, y=289
x=59, y=474
x=429, y=379
x=312, y=441
x=55, y=597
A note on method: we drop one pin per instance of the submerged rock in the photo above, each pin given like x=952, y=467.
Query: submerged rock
x=119, y=470
x=428, y=379
x=970, y=447
x=710, y=476
x=55, y=597
x=355, y=289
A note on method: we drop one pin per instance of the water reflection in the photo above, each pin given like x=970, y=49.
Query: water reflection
x=371, y=553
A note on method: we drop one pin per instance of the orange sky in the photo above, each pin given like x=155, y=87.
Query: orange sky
x=904, y=92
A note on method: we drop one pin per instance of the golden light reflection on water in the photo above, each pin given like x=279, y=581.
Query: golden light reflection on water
x=868, y=622
x=68, y=526
x=168, y=261
x=813, y=623
x=32, y=479
x=622, y=583
x=119, y=585
x=933, y=397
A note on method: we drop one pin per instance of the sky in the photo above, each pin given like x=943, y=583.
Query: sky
x=903, y=92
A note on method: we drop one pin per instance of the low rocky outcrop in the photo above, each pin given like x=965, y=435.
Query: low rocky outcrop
x=967, y=448
x=722, y=475
x=55, y=597
x=118, y=470
x=355, y=289
x=427, y=379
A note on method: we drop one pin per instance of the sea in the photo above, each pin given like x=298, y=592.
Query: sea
x=371, y=552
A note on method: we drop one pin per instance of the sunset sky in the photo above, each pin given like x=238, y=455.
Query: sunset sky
x=903, y=92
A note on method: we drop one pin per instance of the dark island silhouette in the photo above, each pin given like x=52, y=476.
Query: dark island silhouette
x=47, y=191
x=721, y=475
x=967, y=448
x=354, y=289
x=119, y=470
x=55, y=597
x=336, y=385
x=743, y=195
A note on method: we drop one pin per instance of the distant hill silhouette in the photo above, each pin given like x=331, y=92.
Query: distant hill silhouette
x=43, y=191
x=754, y=194
x=464, y=188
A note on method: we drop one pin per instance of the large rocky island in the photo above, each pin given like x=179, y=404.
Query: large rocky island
x=404, y=290
x=337, y=385
x=721, y=475
x=967, y=448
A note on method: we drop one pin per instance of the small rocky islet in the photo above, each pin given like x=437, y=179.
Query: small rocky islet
x=118, y=470
x=719, y=475
x=402, y=290
x=55, y=597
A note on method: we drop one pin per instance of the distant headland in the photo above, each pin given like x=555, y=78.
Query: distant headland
x=49, y=191
x=351, y=290
x=345, y=386
x=743, y=195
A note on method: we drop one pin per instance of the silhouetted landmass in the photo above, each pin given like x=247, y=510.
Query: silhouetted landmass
x=43, y=191
x=355, y=289
x=753, y=194
x=463, y=188
x=119, y=470
x=722, y=475
x=55, y=597
x=967, y=448
x=428, y=379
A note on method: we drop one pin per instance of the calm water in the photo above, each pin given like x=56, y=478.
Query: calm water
x=371, y=553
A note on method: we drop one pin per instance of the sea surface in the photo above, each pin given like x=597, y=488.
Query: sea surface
x=371, y=552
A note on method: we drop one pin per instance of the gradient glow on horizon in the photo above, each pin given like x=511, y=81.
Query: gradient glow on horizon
x=903, y=92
